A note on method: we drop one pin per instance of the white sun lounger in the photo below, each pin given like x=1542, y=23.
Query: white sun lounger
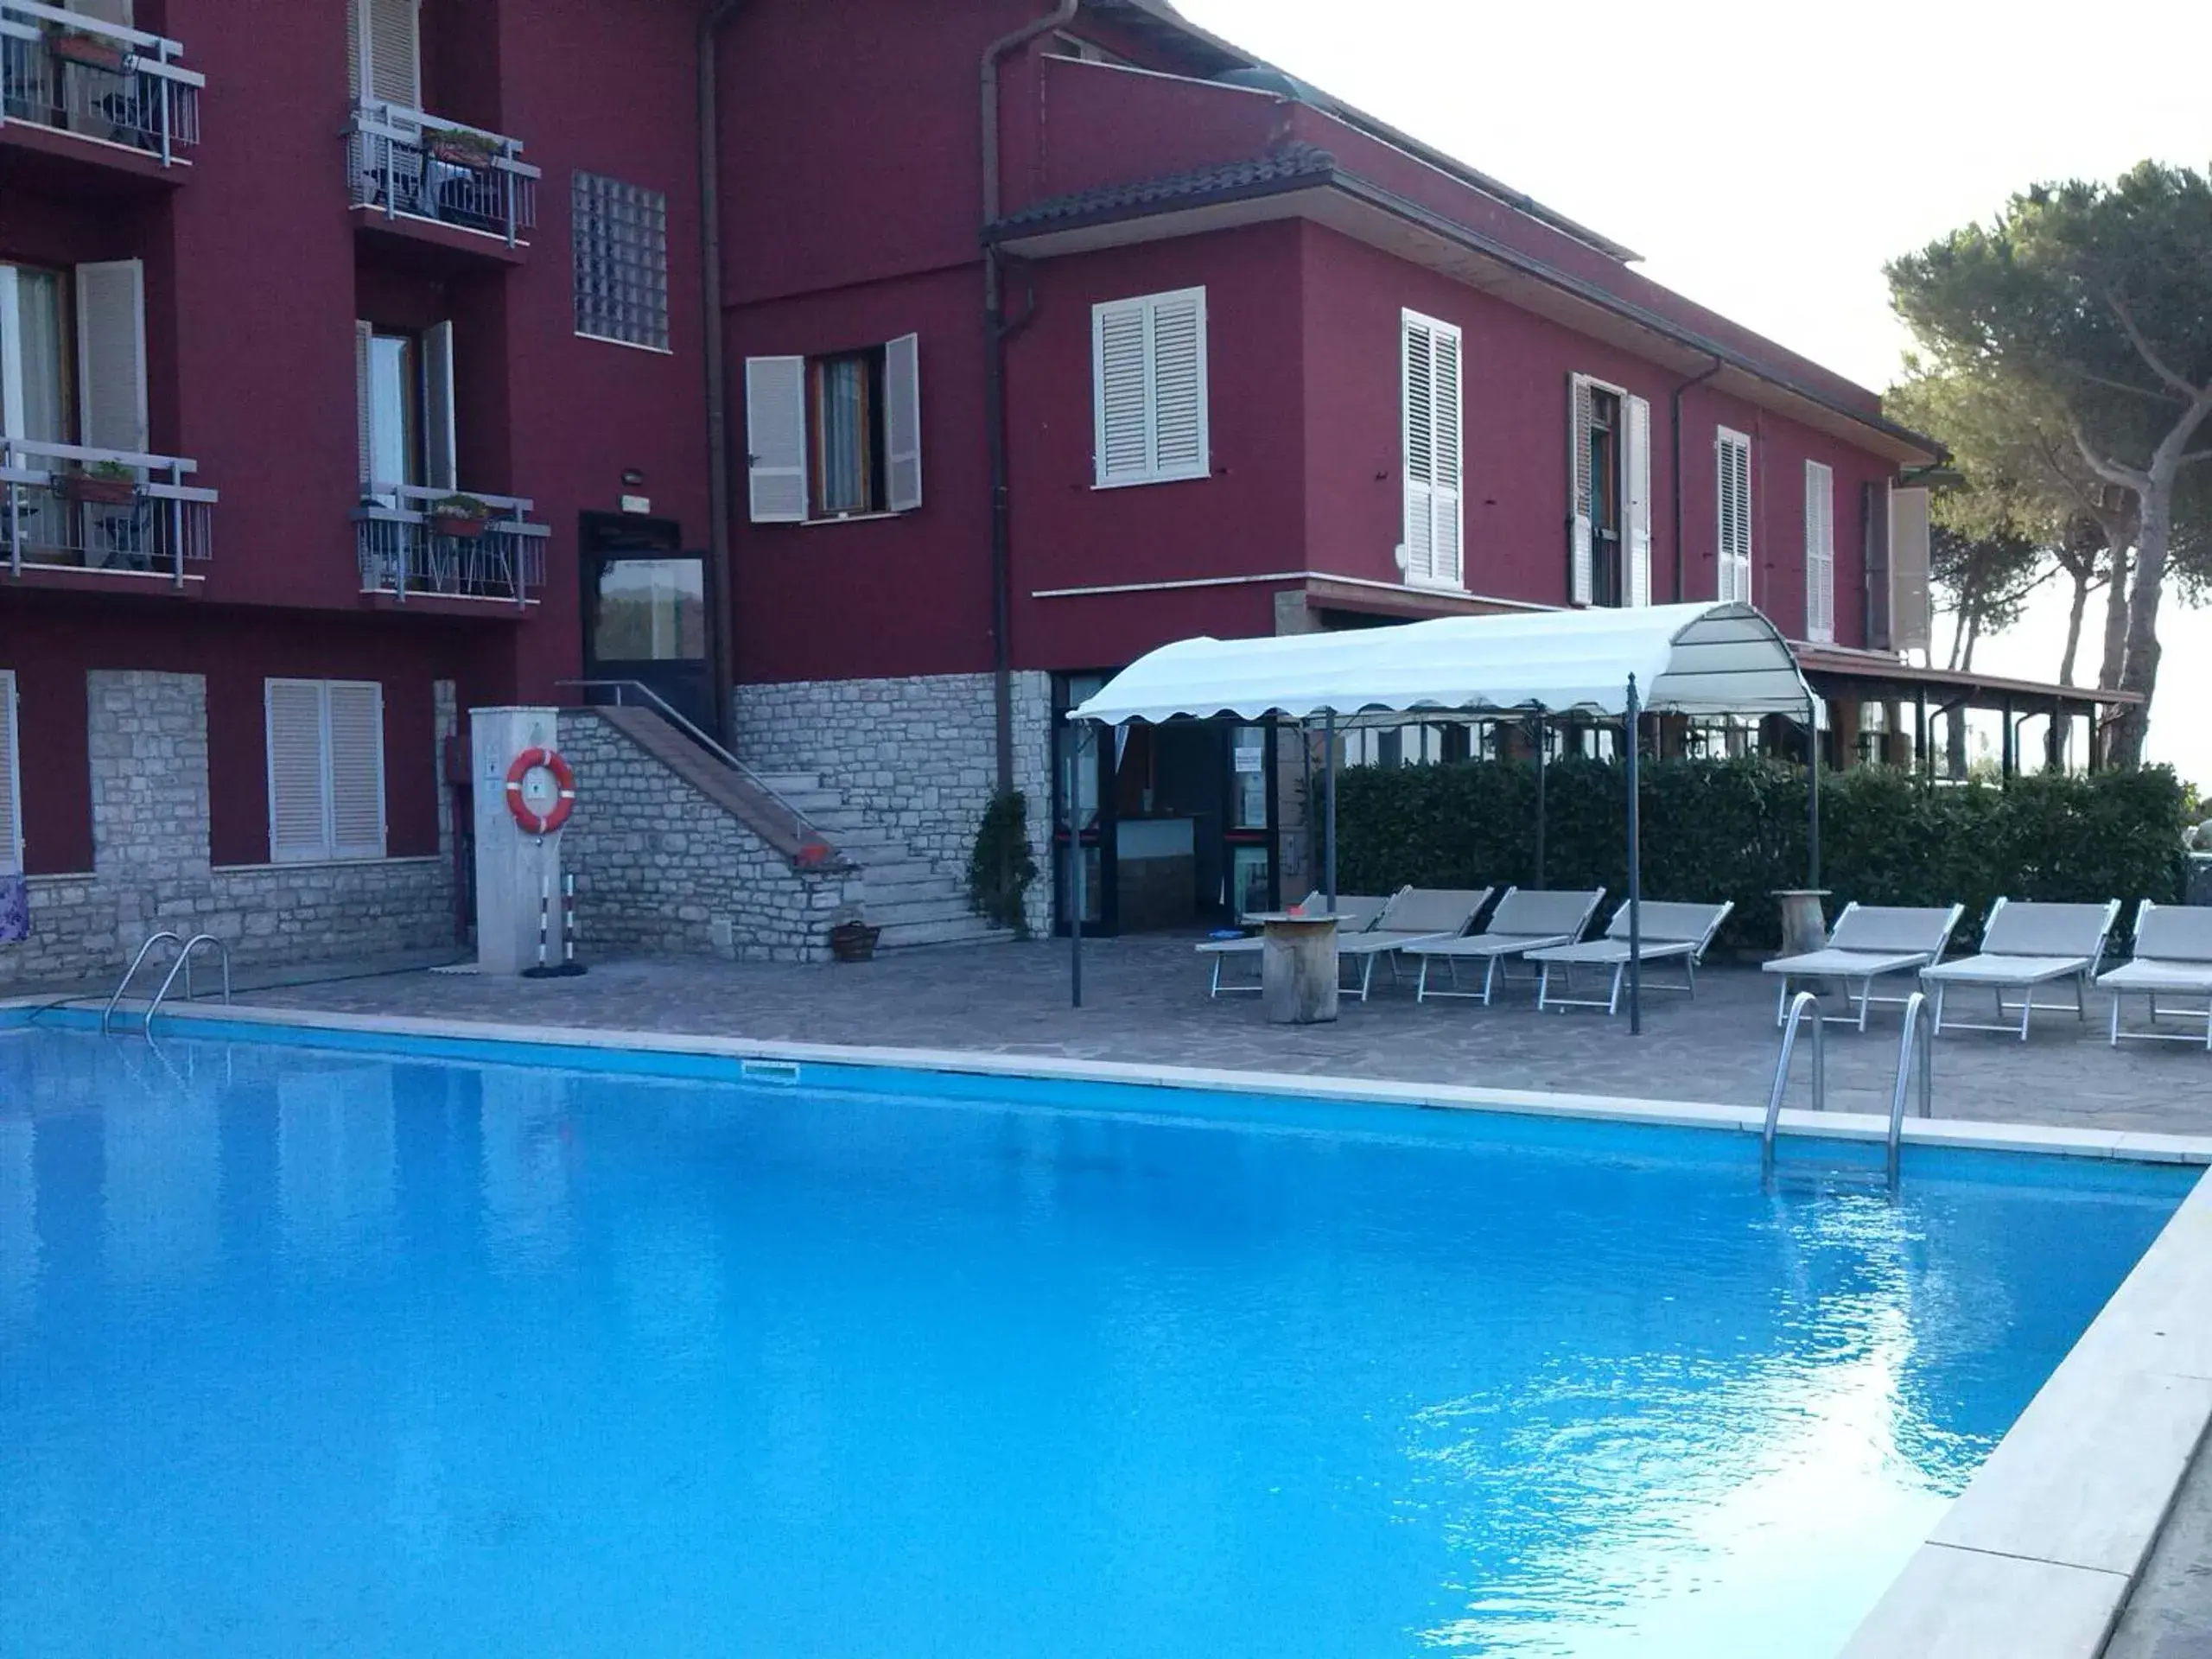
x=1868, y=942
x=1669, y=932
x=2173, y=957
x=1527, y=919
x=2025, y=946
x=1354, y=911
x=1414, y=917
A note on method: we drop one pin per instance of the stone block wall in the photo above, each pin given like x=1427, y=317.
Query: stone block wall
x=661, y=869
x=917, y=755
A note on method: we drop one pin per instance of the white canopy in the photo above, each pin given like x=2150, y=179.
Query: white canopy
x=1690, y=659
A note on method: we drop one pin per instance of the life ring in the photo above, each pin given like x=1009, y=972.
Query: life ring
x=531, y=760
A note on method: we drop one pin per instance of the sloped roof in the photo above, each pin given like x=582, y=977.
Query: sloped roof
x=1284, y=167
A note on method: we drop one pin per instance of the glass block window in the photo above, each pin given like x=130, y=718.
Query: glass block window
x=621, y=238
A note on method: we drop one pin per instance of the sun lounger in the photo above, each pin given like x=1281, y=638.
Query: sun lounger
x=1527, y=919
x=2024, y=946
x=1669, y=932
x=1355, y=913
x=2173, y=957
x=1868, y=942
x=1414, y=916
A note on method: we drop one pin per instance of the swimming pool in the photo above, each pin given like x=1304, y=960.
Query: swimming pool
x=315, y=1350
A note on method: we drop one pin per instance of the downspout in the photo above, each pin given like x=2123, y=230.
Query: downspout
x=995, y=332
x=723, y=612
x=1695, y=380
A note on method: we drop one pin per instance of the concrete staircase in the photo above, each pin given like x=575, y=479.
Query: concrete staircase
x=907, y=895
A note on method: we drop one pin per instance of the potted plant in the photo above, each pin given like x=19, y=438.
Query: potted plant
x=475, y=149
x=88, y=51
x=852, y=939
x=105, y=483
x=461, y=517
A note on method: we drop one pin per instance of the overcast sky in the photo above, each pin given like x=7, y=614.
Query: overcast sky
x=1767, y=159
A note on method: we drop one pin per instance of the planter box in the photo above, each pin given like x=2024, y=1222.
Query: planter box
x=89, y=489
x=458, y=152
x=86, y=51
x=456, y=526
x=854, y=941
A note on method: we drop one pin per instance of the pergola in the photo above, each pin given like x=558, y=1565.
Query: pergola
x=1599, y=663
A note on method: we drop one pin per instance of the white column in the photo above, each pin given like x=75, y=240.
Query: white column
x=512, y=868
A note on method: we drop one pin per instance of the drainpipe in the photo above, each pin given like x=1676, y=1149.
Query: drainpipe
x=722, y=613
x=995, y=336
x=1695, y=380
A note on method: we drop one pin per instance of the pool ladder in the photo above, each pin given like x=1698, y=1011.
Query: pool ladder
x=1918, y=1042
x=182, y=965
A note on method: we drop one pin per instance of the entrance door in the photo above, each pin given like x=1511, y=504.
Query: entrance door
x=645, y=612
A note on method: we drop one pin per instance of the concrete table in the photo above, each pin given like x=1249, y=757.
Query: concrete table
x=1297, y=967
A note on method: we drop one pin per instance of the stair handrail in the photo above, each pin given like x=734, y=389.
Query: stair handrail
x=183, y=965
x=806, y=833
x=107, y=1014
x=1804, y=1003
x=1919, y=1038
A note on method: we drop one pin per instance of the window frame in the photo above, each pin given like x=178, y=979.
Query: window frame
x=1731, y=563
x=328, y=852
x=595, y=203
x=1148, y=306
x=1820, y=601
x=12, y=385
x=875, y=436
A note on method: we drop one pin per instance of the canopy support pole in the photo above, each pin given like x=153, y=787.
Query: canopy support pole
x=1634, y=865
x=1813, y=792
x=1075, y=877
x=1329, y=784
x=1542, y=743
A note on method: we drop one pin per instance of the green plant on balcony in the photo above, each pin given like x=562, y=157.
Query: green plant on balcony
x=455, y=148
x=460, y=517
x=67, y=45
x=105, y=483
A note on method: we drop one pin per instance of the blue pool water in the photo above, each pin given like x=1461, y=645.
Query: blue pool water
x=305, y=1352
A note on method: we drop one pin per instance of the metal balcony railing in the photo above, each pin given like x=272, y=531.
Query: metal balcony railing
x=74, y=73
x=418, y=165
x=407, y=548
x=64, y=507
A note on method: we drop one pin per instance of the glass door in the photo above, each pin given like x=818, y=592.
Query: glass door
x=646, y=613
x=1250, y=823
x=1083, y=815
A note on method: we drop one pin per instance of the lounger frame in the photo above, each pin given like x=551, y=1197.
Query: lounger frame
x=1691, y=951
x=2081, y=970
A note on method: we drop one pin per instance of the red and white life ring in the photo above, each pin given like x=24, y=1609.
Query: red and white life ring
x=549, y=760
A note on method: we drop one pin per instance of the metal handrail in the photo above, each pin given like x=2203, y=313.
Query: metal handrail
x=1918, y=1022
x=183, y=965
x=1804, y=1003
x=108, y=1013
x=806, y=831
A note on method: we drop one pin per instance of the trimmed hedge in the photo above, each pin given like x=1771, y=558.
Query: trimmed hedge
x=1735, y=829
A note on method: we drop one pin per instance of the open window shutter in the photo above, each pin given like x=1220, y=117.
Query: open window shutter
x=356, y=769
x=395, y=69
x=11, y=356
x=11, y=798
x=439, y=467
x=1910, y=623
x=355, y=86
x=1732, y=490
x=1582, y=583
x=1121, y=400
x=1178, y=384
x=1448, y=566
x=1637, y=473
x=902, y=423
x=364, y=413
x=1420, y=452
x=1744, y=519
x=775, y=433
x=1874, y=517
x=111, y=354
x=1820, y=553
x=298, y=815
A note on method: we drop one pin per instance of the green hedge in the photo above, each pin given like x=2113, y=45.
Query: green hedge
x=1735, y=829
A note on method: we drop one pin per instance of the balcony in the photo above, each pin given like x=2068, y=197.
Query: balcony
x=115, y=96
x=410, y=549
x=415, y=173
x=101, y=515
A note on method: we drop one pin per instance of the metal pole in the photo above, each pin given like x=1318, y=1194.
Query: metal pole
x=1542, y=806
x=1329, y=777
x=1635, y=867
x=1075, y=870
x=1813, y=792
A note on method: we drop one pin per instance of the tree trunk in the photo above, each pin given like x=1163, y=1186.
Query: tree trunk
x=1954, y=745
x=2074, y=626
x=2115, y=620
x=1958, y=632
x=1973, y=639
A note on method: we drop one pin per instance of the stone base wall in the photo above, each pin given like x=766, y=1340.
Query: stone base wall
x=151, y=868
x=919, y=755
x=661, y=869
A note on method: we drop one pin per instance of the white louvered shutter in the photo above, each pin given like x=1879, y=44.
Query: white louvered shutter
x=1149, y=389
x=1582, y=581
x=1420, y=452
x=111, y=354
x=365, y=409
x=1820, y=553
x=356, y=728
x=356, y=88
x=1450, y=571
x=1637, y=473
x=775, y=436
x=298, y=807
x=1732, y=461
x=11, y=785
x=11, y=356
x=1120, y=393
x=441, y=469
x=1910, y=624
x=1178, y=384
x=902, y=423
x=395, y=67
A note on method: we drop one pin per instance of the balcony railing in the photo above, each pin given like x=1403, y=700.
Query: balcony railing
x=67, y=507
x=73, y=73
x=416, y=166
x=406, y=548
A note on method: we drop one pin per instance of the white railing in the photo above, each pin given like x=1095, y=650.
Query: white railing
x=406, y=548
x=64, y=507
x=418, y=165
x=73, y=73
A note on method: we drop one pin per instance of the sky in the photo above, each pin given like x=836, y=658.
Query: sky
x=1767, y=160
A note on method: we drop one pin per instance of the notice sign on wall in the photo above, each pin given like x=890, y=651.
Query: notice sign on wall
x=1251, y=759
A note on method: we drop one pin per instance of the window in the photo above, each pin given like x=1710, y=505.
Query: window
x=384, y=51
x=1609, y=462
x=91, y=390
x=1734, y=537
x=326, y=770
x=1820, y=553
x=37, y=390
x=1431, y=356
x=403, y=383
x=621, y=251
x=837, y=436
x=11, y=790
x=1149, y=389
